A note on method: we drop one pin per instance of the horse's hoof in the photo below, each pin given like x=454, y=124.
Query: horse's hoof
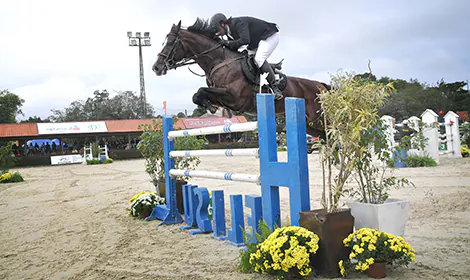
x=212, y=109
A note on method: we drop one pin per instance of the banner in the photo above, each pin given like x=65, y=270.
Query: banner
x=206, y=122
x=71, y=128
x=66, y=159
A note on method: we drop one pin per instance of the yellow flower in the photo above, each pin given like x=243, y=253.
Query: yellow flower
x=371, y=247
x=365, y=266
x=341, y=268
x=370, y=261
x=139, y=194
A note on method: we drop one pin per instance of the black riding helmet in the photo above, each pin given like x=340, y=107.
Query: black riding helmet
x=216, y=20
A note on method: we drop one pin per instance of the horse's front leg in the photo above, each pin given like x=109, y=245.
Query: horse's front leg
x=211, y=98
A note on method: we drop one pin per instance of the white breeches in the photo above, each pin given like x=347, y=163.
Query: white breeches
x=266, y=48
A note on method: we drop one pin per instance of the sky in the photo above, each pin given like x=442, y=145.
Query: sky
x=54, y=52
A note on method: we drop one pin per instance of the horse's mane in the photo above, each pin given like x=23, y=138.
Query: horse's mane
x=201, y=26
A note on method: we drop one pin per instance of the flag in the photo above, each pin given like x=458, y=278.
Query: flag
x=164, y=107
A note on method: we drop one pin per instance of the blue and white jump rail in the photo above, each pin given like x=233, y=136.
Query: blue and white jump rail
x=292, y=174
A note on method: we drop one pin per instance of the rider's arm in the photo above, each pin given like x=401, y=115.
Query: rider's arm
x=244, y=34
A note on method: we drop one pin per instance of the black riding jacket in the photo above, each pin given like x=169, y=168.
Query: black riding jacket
x=249, y=31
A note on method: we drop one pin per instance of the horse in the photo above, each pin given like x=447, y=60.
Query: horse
x=228, y=84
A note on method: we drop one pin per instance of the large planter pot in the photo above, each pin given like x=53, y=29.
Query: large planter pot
x=389, y=217
x=332, y=229
x=161, y=187
x=377, y=270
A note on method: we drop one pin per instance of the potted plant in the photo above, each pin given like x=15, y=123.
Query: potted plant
x=372, y=206
x=285, y=253
x=143, y=203
x=372, y=250
x=348, y=109
x=151, y=147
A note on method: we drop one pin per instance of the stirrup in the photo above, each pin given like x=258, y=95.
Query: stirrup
x=277, y=94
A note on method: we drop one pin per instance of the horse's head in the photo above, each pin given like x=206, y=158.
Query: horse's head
x=171, y=53
x=180, y=47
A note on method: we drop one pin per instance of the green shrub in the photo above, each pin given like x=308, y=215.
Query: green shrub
x=244, y=266
x=93, y=161
x=7, y=159
x=417, y=161
x=95, y=149
x=281, y=149
x=108, y=160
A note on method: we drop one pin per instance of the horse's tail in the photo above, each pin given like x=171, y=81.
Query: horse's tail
x=328, y=87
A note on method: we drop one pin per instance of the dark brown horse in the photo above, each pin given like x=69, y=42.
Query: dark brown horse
x=228, y=87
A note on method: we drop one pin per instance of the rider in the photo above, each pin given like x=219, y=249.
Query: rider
x=257, y=34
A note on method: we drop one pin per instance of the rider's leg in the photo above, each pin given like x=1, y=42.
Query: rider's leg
x=265, y=49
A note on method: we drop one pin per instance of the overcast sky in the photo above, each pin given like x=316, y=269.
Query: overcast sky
x=54, y=52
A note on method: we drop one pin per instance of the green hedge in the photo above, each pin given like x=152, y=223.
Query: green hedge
x=33, y=161
x=124, y=154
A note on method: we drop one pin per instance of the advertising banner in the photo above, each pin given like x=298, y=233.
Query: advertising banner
x=71, y=128
x=66, y=159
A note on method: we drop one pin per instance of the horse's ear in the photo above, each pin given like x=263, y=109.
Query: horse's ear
x=179, y=25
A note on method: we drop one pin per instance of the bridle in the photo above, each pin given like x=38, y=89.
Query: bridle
x=169, y=59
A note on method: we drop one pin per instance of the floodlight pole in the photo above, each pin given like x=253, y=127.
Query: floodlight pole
x=140, y=41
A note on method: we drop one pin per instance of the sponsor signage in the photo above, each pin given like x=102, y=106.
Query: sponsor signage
x=206, y=122
x=66, y=159
x=71, y=128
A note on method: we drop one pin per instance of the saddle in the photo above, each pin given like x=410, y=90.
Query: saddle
x=252, y=73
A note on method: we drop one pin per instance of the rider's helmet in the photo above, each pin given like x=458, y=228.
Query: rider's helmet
x=216, y=20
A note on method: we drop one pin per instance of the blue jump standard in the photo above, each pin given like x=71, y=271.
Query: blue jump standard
x=292, y=174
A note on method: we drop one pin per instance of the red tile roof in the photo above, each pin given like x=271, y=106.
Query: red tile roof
x=113, y=126
x=126, y=125
x=18, y=130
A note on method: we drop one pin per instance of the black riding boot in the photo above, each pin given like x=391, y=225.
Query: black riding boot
x=266, y=68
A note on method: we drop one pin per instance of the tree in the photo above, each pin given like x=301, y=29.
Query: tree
x=7, y=160
x=181, y=115
x=34, y=119
x=124, y=105
x=458, y=98
x=199, y=111
x=10, y=106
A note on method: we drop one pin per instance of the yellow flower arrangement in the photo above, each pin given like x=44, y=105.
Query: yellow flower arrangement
x=6, y=177
x=369, y=246
x=9, y=177
x=143, y=204
x=139, y=194
x=464, y=151
x=286, y=251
